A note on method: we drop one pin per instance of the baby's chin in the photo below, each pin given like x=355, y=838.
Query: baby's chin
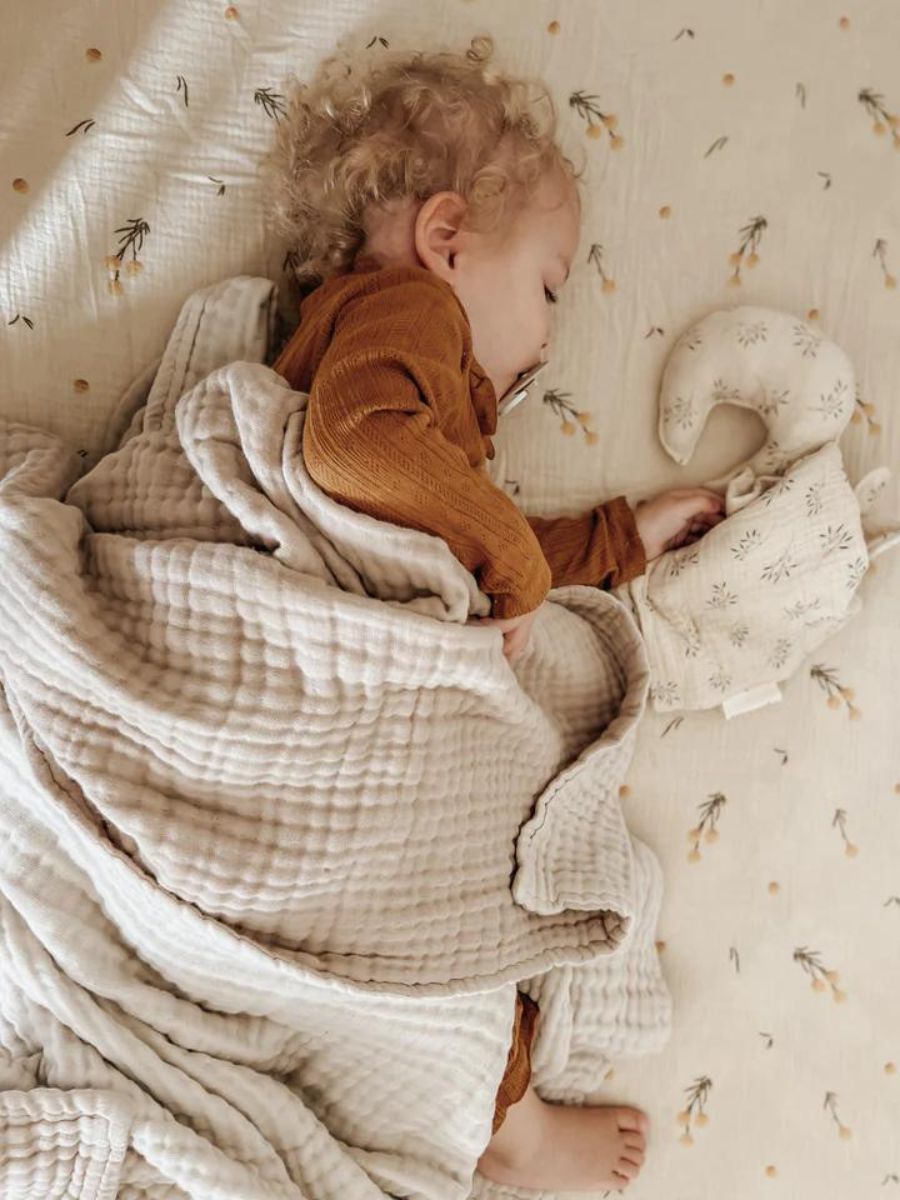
x=504, y=385
x=507, y=385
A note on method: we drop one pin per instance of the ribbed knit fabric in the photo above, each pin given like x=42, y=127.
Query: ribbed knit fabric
x=517, y=1075
x=399, y=426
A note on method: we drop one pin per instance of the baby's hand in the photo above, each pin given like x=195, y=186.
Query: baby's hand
x=516, y=630
x=677, y=518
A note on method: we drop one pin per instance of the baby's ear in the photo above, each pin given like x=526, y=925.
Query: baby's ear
x=436, y=231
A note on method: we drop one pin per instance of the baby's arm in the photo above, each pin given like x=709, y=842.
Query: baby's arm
x=371, y=440
x=602, y=547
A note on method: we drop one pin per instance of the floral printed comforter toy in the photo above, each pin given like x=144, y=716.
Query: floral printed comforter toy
x=727, y=617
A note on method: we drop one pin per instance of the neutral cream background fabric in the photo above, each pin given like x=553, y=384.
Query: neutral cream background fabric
x=789, y=789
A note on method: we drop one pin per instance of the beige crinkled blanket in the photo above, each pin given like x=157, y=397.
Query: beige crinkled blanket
x=280, y=833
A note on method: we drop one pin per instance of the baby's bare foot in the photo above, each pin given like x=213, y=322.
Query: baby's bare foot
x=566, y=1148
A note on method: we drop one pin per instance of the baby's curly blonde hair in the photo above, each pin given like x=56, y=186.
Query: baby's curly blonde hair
x=368, y=130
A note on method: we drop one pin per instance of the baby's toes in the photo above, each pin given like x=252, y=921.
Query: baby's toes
x=633, y=1125
x=632, y=1118
x=633, y=1156
x=627, y=1168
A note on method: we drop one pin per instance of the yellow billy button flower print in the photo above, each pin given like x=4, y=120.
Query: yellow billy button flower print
x=595, y=255
x=863, y=408
x=840, y=819
x=751, y=235
x=844, y=1131
x=880, y=252
x=827, y=679
x=586, y=106
x=132, y=239
x=570, y=419
x=697, y=1095
x=882, y=120
x=709, y=814
x=822, y=977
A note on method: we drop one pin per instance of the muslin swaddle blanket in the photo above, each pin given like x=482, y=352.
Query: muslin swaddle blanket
x=281, y=835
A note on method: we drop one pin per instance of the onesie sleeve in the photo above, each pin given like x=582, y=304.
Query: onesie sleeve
x=602, y=547
x=371, y=440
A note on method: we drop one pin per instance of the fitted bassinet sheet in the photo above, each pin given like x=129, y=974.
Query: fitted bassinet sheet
x=734, y=153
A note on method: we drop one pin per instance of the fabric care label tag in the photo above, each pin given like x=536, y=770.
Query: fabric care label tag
x=742, y=702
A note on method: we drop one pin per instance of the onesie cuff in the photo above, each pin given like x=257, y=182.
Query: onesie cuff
x=628, y=549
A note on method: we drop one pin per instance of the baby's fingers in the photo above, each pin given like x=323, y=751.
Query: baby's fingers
x=706, y=499
x=706, y=520
x=716, y=501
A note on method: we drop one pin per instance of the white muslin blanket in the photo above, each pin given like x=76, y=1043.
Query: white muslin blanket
x=279, y=833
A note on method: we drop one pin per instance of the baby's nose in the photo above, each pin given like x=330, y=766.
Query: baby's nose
x=545, y=352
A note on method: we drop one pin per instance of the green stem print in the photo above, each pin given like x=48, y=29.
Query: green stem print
x=697, y=1095
x=84, y=126
x=133, y=238
x=882, y=120
x=826, y=678
x=709, y=814
x=585, y=106
x=844, y=1131
x=595, y=255
x=840, y=820
x=890, y=281
x=560, y=405
x=751, y=234
x=272, y=102
x=863, y=409
x=821, y=977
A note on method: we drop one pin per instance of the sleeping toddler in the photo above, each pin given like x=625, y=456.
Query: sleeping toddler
x=432, y=221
